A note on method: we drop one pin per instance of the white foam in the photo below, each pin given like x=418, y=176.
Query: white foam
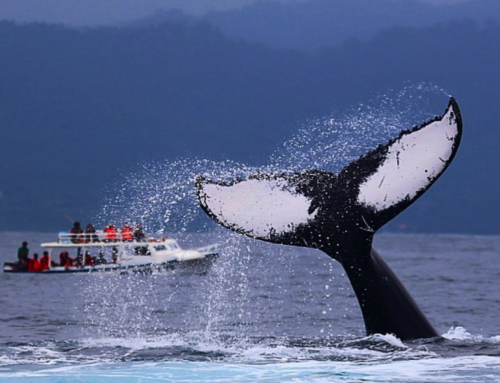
x=469, y=369
x=389, y=338
x=460, y=333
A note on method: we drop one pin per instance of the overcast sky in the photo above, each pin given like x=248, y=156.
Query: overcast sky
x=92, y=12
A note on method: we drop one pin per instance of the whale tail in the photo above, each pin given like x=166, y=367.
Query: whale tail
x=340, y=213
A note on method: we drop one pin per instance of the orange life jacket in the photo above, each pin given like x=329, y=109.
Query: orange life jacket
x=127, y=234
x=110, y=232
x=65, y=259
x=33, y=266
x=44, y=262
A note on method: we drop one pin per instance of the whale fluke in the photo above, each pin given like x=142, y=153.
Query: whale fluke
x=340, y=213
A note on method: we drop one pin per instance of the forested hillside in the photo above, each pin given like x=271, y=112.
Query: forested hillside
x=80, y=107
x=310, y=25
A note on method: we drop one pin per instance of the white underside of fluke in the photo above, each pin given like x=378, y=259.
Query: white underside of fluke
x=258, y=207
x=412, y=163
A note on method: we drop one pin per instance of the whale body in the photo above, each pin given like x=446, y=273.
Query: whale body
x=340, y=213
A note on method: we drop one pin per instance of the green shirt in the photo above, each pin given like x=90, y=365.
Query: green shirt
x=22, y=253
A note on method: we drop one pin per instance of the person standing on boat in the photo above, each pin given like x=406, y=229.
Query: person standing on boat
x=22, y=255
x=34, y=264
x=139, y=234
x=127, y=232
x=45, y=261
x=75, y=233
x=110, y=233
x=90, y=234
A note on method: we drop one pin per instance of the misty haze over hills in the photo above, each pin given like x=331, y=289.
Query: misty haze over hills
x=314, y=24
x=81, y=107
x=108, y=12
x=297, y=24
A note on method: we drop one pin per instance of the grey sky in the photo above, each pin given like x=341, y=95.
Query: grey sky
x=92, y=12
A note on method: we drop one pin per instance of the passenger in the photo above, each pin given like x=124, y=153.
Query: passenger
x=65, y=260
x=139, y=233
x=69, y=262
x=45, y=261
x=78, y=261
x=102, y=259
x=34, y=264
x=90, y=234
x=127, y=232
x=110, y=233
x=22, y=256
x=88, y=259
x=75, y=232
x=114, y=255
x=62, y=258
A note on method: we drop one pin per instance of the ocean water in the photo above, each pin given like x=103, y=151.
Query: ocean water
x=263, y=313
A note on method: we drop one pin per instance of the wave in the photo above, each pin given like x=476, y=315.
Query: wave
x=461, y=369
x=205, y=347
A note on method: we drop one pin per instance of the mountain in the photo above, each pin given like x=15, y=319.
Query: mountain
x=310, y=25
x=81, y=108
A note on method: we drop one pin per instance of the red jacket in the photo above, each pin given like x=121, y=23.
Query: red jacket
x=33, y=266
x=88, y=260
x=110, y=232
x=44, y=262
x=127, y=233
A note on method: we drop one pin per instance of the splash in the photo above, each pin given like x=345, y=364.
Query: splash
x=331, y=142
x=459, y=333
x=162, y=197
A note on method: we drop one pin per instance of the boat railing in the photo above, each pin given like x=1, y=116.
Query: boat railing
x=98, y=236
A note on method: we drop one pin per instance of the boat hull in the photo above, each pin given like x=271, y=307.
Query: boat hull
x=194, y=266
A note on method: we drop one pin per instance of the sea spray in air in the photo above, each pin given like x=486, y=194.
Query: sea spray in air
x=162, y=197
x=331, y=142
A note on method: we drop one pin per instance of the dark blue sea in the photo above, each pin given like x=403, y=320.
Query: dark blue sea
x=263, y=313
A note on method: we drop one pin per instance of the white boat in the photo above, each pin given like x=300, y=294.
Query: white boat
x=94, y=252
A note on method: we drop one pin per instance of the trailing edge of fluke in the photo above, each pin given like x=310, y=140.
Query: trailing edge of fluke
x=340, y=213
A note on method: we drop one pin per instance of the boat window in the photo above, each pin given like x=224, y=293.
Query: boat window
x=160, y=248
x=142, y=250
